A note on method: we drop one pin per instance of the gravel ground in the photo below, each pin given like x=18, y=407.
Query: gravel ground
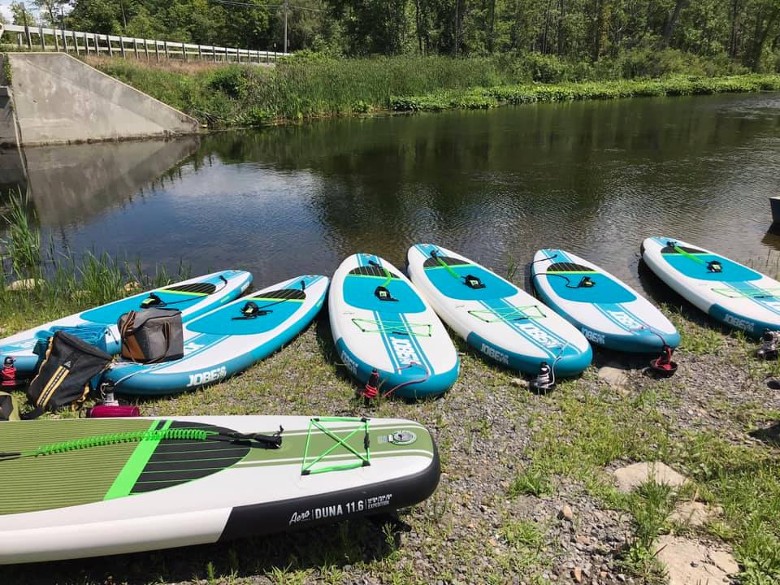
x=476, y=528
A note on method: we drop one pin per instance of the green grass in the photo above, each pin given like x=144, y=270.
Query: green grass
x=311, y=86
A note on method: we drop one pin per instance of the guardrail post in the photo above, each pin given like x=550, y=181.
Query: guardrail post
x=43, y=41
x=56, y=42
x=135, y=47
x=110, y=47
x=64, y=41
x=184, y=51
x=214, y=51
x=200, y=53
x=165, y=46
x=122, y=45
x=76, y=42
x=96, y=38
x=157, y=50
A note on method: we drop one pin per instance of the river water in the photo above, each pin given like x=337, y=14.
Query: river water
x=594, y=178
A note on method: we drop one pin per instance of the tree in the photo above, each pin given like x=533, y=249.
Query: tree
x=21, y=15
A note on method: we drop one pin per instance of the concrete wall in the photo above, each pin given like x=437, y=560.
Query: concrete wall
x=59, y=99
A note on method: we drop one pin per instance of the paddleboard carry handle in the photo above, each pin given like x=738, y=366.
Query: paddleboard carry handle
x=268, y=441
x=383, y=294
x=152, y=301
x=473, y=281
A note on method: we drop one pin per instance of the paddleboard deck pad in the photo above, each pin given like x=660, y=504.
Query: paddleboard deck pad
x=494, y=316
x=607, y=311
x=77, y=488
x=380, y=322
x=229, y=339
x=192, y=297
x=729, y=292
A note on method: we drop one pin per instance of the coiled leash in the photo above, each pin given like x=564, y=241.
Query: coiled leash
x=180, y=434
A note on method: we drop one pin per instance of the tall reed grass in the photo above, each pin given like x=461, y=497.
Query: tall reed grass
x=59, y=283
x=311, y=86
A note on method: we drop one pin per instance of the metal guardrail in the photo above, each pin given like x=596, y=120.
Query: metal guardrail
x=51, y=39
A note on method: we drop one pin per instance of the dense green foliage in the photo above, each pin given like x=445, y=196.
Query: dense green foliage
x=310, y=87
x=638, y=33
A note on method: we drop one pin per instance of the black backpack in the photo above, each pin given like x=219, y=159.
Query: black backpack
x=64, y=377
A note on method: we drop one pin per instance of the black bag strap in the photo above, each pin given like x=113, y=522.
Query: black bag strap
x=33, y=414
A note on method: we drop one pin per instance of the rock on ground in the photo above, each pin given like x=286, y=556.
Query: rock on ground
x=630, y=477
x=693, y=563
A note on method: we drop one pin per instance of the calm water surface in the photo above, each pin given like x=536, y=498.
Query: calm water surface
x=594, y=178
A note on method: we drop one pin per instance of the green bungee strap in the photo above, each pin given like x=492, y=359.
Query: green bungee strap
x=393, y=327
x=150, y=435
x=508, y=313
x=758, y=293
x=364, y=460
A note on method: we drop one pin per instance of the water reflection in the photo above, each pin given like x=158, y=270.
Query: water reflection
x=591, y=177
x=76, y=184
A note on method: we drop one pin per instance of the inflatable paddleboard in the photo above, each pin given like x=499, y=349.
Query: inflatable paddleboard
x=77, y=488
x=229, y=339
x=496, y=317
x=607, y=311
x=192, y=297
x=726, y=290
x=380, y=322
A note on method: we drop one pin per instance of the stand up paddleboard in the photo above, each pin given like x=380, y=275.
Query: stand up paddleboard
x=496, y=317
x=607, y=311
x=726, y=290
x=382, y=325
x=192, y=297
x=77, y=488
x=229, y=339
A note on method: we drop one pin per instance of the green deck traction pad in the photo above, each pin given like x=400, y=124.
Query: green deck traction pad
x=88, y=475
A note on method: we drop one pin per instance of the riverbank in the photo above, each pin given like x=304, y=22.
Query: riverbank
x=312, y=87
x=528, y=493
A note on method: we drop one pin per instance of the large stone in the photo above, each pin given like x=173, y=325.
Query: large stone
x=614, y=377
x=632, y=476
x=692, y=563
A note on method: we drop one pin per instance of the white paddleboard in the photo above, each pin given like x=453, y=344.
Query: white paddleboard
x=496, y=317
x=726, y=290
x=89, y=487
x=606, y=310
x=380, y=322
x=192, y=297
